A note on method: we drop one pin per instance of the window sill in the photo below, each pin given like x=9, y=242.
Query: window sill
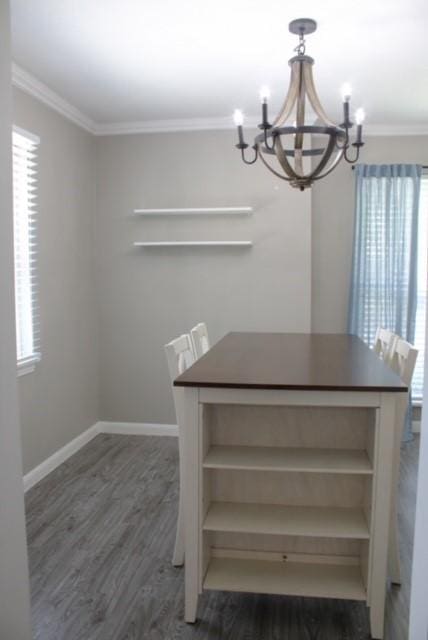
x=27, y=365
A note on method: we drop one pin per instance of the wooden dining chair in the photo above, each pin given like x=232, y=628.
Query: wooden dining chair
x=180, y=356
x=201, y=343
x=402, y=362
x=384, y=343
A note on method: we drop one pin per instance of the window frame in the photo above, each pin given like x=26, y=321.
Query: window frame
x=417, y=400
x=27, y=363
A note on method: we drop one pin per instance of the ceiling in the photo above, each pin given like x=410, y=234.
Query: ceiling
x=122, y=61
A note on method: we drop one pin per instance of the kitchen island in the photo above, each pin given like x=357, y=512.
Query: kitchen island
x=288, y=446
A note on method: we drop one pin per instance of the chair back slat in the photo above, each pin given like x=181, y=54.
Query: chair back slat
x=403, y=360
x=180, y=356
x=201, y=343
x=384, y=344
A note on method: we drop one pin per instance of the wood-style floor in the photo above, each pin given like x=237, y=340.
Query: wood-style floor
x=101, y=531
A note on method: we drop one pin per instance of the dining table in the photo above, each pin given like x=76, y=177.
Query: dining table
x=288, y=446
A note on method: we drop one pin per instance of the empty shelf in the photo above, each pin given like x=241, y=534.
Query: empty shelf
x=195, y=210
x=286, y=578
x=288, y=459
x=272, y=519
x=197, y=243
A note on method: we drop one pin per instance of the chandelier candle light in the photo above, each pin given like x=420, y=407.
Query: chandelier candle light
x=272, y=142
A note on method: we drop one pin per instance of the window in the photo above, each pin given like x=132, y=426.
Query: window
x=383, y=276
x=24, y=146
x=418, y=376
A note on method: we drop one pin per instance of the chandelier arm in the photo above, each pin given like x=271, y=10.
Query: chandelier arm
x=278, y=175
x=357, y=155
x=290, y=98
x=313, y=96
x=298, y=162
x=300, y=110
x=283, y=160
x=267, y=145
x=345, y=144
x=334, y=164
x=256, y=154
x=326, y=157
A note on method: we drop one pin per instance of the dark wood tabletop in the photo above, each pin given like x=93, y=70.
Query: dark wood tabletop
x=299, y=361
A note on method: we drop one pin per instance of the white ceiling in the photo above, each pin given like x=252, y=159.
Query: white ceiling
x=145, y=60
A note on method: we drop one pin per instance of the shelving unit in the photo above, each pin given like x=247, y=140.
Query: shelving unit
x=286, y=578
x=289, y=446
x=289, y=459
x=195, y=211
x=326, y=522
x=281, y=513
x=197, y=243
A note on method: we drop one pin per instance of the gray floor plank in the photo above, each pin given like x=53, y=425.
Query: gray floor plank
x=101, y=531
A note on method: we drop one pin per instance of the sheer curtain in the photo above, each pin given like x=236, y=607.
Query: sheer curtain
x=384, y=265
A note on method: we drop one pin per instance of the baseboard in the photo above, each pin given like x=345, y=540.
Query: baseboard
x=38, y=473
x=120, y=428
x=138, y=428
x=416, y=426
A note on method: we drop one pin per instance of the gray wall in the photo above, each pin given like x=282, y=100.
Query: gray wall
x=60, y=399
x=332, y=228
x=147, y=297
x=14, y=591
x=104, y=324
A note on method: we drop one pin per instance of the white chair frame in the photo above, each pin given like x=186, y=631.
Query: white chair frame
x=384, y=344
x=180, y=356
x=201, y=342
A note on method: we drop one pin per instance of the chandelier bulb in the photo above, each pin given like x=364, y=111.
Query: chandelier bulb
x=238, y=117
x=360, y=116
x=264, y=94
x=346, y=92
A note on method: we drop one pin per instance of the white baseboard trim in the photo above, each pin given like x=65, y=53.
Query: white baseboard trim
x=38, y=473
x=120, y=428
x=138, y=428
x=416, y=426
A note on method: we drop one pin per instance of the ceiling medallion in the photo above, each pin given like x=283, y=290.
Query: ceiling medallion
x=291, y=144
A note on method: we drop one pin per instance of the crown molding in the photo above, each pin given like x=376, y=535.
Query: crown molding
x=170, y=126
x=28, y=83
x=184, y=124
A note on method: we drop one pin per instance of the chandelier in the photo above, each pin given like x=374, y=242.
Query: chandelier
x=286, y=149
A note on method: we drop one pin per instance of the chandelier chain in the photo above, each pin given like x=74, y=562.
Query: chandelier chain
x=301, y=47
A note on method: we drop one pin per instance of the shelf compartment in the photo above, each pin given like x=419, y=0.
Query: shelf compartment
x=285, y=578
x=195, y=211
x=347, y=461
x=327, y=522
x=197, y=243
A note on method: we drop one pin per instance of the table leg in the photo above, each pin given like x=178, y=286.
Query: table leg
x=191, y=500
x=381, y=513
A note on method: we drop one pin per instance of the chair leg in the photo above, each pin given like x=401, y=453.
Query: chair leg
x=178, y=557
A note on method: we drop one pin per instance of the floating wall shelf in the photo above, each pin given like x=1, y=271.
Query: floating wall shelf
x=195, y=211
x=197, y=243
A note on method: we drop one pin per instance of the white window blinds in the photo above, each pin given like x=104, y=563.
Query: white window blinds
x=418, y=375
x=24, y=147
